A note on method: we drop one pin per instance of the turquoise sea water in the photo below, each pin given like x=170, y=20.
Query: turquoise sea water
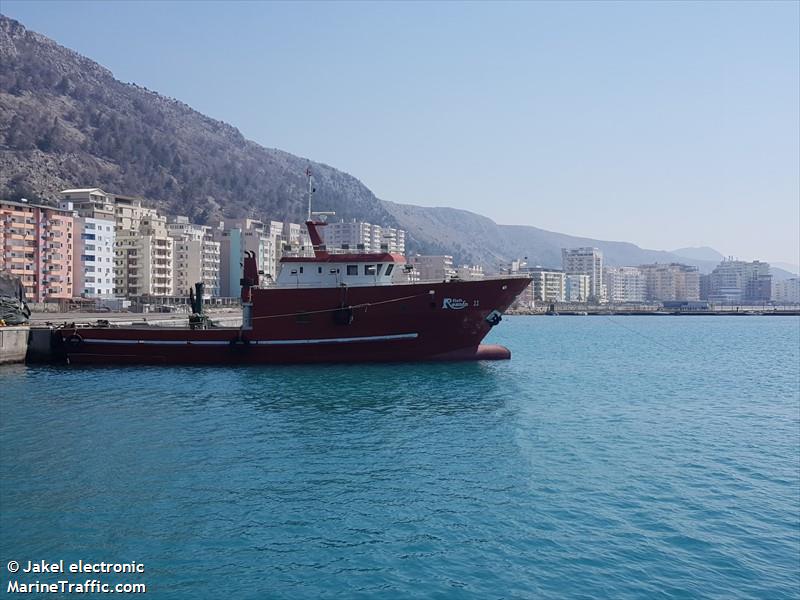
x=630, y=457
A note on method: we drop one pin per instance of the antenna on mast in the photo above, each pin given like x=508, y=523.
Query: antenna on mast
x=311, y=190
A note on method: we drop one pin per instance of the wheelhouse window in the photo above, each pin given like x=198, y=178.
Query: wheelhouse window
x=352, y=269
x=380, y=268
x=389, y=268
x=369, y=269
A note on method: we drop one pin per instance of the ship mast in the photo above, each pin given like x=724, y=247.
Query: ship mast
x=311, y=191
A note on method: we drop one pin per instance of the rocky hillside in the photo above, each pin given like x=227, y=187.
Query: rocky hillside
x=65, y=121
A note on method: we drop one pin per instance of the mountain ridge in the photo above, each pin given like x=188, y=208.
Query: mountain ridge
x=65, y=121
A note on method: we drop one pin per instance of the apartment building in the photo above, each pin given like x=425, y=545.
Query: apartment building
x=577, y=288
x=671, y=282
x=37, y=244
x=196, y=256
x=296, y=239
x=469, y=272
x=786, y=291
x=144, y=253
x=547, y=285
x=740, y=282
x=625, y=284
x=94, y=245
x=585, y=261
x=393, y=240
x=235, y=237
x=356, y=235
x=433, y=268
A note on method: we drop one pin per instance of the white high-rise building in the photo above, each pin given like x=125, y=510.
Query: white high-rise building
x=625, y=284
x=365, y=237
x=738, y=281
x=547, y=285
x=585, y=261
x=93, y=243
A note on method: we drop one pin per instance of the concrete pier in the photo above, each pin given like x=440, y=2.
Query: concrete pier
x=13, y=344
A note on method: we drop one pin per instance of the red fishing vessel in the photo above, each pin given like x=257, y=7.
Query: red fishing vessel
x=332, y=307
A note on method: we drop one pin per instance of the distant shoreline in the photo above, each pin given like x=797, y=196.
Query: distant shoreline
x=595, y=312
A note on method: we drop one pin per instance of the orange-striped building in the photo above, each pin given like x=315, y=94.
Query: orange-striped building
x=36, y=244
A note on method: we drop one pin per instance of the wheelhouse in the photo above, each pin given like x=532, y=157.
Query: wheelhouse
x=339, y=270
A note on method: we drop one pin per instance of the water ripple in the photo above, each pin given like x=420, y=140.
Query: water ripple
x=594, y=464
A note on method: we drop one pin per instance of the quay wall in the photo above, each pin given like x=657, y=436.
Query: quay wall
x=13, y=344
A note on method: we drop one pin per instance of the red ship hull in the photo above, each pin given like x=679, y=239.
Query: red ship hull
x=405, y=322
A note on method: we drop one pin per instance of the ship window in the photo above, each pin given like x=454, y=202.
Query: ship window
x=369, y=269
x=352, y=269
x=380, y=268
x=294, y=271
x=319, y=270
x=389, y=268
x=301, y=269
x=334, y=271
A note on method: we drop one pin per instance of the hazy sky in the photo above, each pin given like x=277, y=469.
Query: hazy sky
x=664, y=124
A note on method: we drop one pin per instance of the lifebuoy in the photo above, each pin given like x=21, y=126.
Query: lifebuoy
x=74, y=340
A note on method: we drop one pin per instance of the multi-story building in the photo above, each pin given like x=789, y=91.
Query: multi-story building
x=355, y=235
x=786, y=291
x=235, y=237
x=740, y=282
x=469, y=272
x=433, y=268
x=625, y=284
x=577, y=288
x=128, y=212
x=291, y=233
x=37, y=246
x=143, y=261
x=94, y=239
x=196, y=256
x=547, y=285
x=392, y=240
x=273, y=231
x=705, y=286
x=348, y=235
x=18, y=243
x=671, y=282
x=585, y=261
